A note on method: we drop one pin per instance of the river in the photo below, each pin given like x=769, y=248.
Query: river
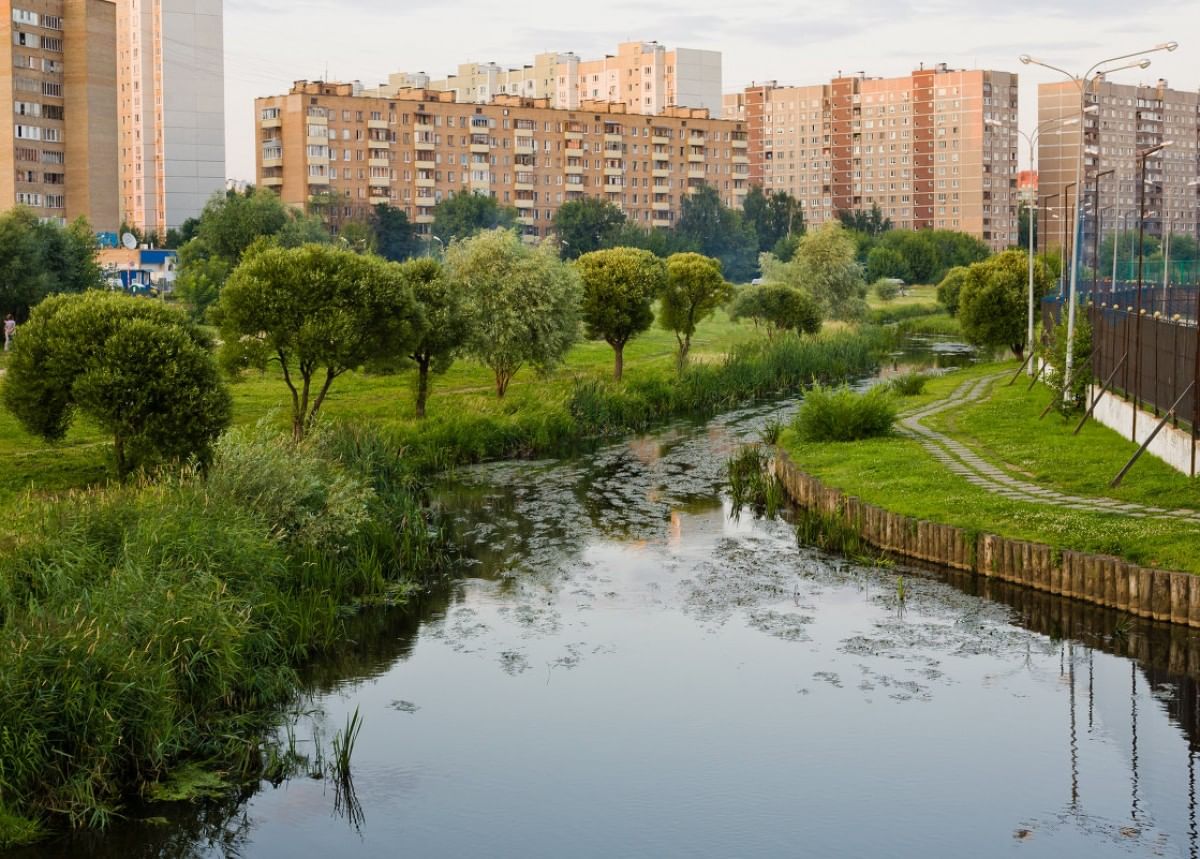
x=627, y=668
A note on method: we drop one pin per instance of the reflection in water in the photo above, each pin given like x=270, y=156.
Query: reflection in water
x=625, y=669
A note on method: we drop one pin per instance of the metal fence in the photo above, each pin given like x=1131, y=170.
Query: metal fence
x=1173, y=301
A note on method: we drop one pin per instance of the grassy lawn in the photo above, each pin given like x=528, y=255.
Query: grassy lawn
x=919, y=295
x=82, y=458
x=896, y=473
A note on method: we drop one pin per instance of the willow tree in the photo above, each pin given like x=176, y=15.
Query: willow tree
x=695, y=289
x=447, y=322
x=619, y=288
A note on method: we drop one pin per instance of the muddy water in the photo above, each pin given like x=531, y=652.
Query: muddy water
x=627, y=669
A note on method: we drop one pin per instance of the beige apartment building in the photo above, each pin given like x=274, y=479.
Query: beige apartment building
x=58, y=84
x=646, y=77
x=322, y=146
x=933, y=149
x=1127, y=119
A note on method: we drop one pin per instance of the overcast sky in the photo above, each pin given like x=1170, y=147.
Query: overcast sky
x=270, y=43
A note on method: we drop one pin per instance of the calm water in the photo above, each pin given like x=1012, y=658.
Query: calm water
x=628, y=670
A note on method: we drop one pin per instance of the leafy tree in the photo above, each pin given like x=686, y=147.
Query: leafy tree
x=318, y=310
x=619, y=287
x=993, y=302
x=396, y=237
x=773, y=216
x=1054, y=353
x=886, y=289
x=950, y=289
x=232, y=221
x=135, y=367
x=825, y=266
x=524, y=302
x=39, y=259
x=718, y=231
x=587, y=225
x=955, y=248
x=200, y=280
x=886, y=262
x=447, y=322
x=356, y=236
x=464, y=214
x=660, y=242
x=872, y=223
x=778, y=307
x=694, y=290
x=785, y=248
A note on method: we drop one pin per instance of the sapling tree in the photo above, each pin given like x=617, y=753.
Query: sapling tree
x=778, y=307
x=321, y=312
x=993, y=300
x=619, y=288
x=138, y=369
x=447, y=322
x=695, y=289
x=523, y=300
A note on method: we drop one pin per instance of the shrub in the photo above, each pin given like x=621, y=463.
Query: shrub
x=840, y=414
x=950, y=287
x=886, y=289
x=910, y=384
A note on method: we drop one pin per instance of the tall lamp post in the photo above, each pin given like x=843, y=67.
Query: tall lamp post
x=1096, y=236
x=1083, y=83
x=1137, y=318
x=1068, y=215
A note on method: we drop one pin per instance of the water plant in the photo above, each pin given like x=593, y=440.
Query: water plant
x=909, y=384
x=840, y=414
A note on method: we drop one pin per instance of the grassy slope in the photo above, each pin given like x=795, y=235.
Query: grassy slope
x=897, y=473
x=82, y=458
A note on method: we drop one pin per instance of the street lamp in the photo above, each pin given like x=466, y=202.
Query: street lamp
x=1137, y=320
x=1082, y=83
x=1096, y=236
x=1068, y=214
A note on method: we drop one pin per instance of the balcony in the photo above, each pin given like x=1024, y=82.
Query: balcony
x=318, y=180
x=272, y=162
x=744, y=159
x=316, y=141
x=574, y=168
x=379, y=200
x=661, y=206
x=523, y=203
x=525, y=220
x=660, y=173
x=696, y=173
x=614, y=171
x=379, y=162
x=425, y=182
x=426, y=145
x=740, y=144
x=481, y=148
x=376, y=123
x=574, y=135
x=424, y=219
x=424, y=159
x=609, y=137
x=378, y=144
x=274, y=122
x=660, y=222
x=660, y=141
x=272, y=181
x=695, y=157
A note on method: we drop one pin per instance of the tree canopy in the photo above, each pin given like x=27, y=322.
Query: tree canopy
x=524, y=302
x=465, y=214
x=824, y=265
x=317, y=310
x=619, y=288
x=695, y=288
x=587, y=225
x=773, y=216
x=717, y=231
x=447, y=322
x=993, y=300
x=396, y=237
x=38, y=259
x=138, y=369
x=872, y=222
x=778, y=307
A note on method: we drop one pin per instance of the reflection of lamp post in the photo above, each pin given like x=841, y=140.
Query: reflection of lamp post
x=1082, y=83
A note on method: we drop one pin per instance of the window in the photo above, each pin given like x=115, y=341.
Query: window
x=28, y=132
x=27, y=40
x=23, y=16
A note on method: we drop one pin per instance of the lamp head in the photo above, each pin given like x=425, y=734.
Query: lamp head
x=1144, y=64
x=1025, y=59
x=1167, y=46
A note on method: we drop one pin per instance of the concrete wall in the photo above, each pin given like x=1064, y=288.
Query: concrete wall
x=698, y=79
x=90, y=89
x=1100, y=579
x=1173, y=446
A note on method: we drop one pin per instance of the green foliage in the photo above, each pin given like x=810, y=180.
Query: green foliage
x=949, y=290
x=39, y=259
x=317, y=308
x=694, y=290
x=465, y=214
x=871, y=223
x=136, y=368
x=751, y=483
x=660, y=242
x=824, y=266
x=356, y=236
x=395, y=237
x=448, y=322
x=619, y=287
x=1055, y=353
x=785, y=248
x=909, y=384
x=717, y=231
x=524, y=302
x=840, y=414
x=886, y=288
x=778, y=307
x=587, y=225
x=774, y=216
x=993, y=301
x=887, y=262
x=232, y=222
x=200, y=280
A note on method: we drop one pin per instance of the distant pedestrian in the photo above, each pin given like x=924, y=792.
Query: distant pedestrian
x=10, y=329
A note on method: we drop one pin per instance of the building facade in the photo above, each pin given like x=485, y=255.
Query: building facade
x=934, y=149
x=646, y=77
x=58, y=82
x=1127, y=119
x=172, y=109
x=322, y=146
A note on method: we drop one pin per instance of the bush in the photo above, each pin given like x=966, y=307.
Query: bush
x=840, y=414
x=1054, y=353
x=886, y=289
x=949, y=289
x=910, y=384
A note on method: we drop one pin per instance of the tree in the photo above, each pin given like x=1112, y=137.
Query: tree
x=825, y=266
x=660, y=242
x=715, y=230
x=993, y=302
x=1024, y=212
x=619, y=288
x=778, y=307
x=356, y=236
x=39, y=259
x=200, y=280
x=694, y=290
x=447, y=322
x=773, y=216
x=950, y=289
x=886, y=262
x=524, y=302
x=138, y=369
x=464, y=214
x=587, y=225
x=316, y=309
x=785, y=248
x=232, y=221
x=872, y=223
x=396, y=237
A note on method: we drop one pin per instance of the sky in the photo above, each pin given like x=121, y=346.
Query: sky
x=270, y=43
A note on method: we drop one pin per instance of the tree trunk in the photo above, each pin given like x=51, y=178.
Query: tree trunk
x=685, y=345
x=422, y=386
x=502, y=381
x=619, y=363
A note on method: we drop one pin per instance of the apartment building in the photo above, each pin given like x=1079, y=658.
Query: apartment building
x=321, y=146
x=646, y=77
x=58, y=84
x=1122, y=120
x=933, y=149
x=172, y=109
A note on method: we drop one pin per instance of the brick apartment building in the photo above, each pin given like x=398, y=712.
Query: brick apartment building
x=323, y=144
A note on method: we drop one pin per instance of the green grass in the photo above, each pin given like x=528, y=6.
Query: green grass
x=920, y=295
x=896, y=473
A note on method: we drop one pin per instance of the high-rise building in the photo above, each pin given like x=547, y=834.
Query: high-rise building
x=170, y=57
x=646, y=77
x=58, y=109
x=933, y=149
x=323, y=146
x=1125, y=120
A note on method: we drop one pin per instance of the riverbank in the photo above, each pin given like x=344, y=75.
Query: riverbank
x=903, y=476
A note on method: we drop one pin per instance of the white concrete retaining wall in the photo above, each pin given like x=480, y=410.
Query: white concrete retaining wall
x=1173, y=446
